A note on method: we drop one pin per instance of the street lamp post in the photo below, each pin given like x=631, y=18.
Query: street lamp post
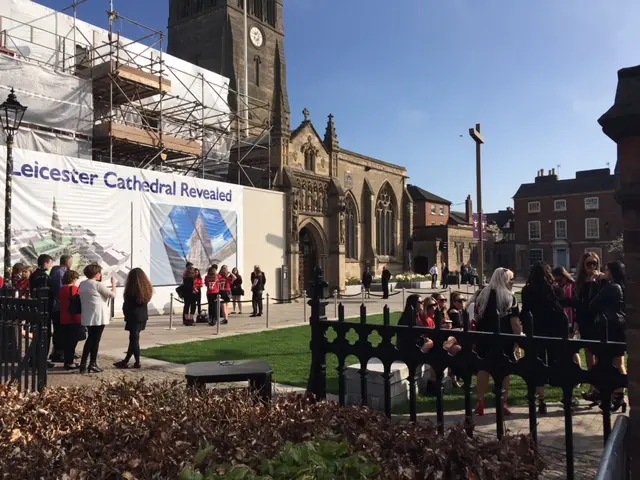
x=11, y=112
x=479, y=139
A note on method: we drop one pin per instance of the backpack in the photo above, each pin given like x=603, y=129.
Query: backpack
x=75, y=306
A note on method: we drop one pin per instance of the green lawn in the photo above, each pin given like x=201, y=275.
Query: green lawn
x=287, y=351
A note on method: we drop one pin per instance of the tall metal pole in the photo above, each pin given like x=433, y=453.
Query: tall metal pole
x=7, y=209
x=479, y=139
x=246, y=70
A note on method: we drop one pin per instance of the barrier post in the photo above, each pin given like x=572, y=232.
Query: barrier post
x=403, y=300
x=335, y=303
x=304, y=306
x=170, y=313
x=217, y=313
x=267, y=310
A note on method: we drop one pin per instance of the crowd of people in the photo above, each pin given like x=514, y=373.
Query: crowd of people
x=553, y=304
x=223, y=288
x=80, y=310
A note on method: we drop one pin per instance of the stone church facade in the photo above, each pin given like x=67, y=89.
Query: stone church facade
x=345, y=211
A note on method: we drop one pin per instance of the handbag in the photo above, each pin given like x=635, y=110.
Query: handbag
x=75, y=306
x=81, y=333
x=180, y=291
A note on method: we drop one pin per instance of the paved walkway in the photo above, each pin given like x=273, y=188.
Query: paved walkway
x=587, y=424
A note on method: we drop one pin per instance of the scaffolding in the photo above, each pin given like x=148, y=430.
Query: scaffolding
x=151, y=110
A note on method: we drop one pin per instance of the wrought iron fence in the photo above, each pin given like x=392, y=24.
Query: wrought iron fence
x=396, y=345
x=24, y=337
x=615, y=460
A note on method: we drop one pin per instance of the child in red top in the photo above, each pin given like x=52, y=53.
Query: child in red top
x=198, y=283
x=71, y=323
x=213, y=289
x=225, y=281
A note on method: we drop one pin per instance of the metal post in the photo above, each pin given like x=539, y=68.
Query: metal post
x=217, y=314
x=479, y=139
x=403, y=296
x=304, y=306
x=171, y=327
x=246, y=69
x=335, y=303
x=267, y=310
x=7, y=209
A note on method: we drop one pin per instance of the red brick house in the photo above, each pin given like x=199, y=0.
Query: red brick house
x=558, y=220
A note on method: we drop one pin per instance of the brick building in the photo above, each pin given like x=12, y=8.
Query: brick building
x=440, y=235
x=344, y=210
x=558, y=220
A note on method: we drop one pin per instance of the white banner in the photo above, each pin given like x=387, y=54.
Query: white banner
x=121, y=217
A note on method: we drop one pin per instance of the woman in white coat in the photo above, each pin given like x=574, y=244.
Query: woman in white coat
x=94, y=298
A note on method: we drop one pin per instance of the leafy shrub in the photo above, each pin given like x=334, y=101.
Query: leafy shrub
x=412, y=277
x=352, y=281
x=135, y=430
x=324, y=460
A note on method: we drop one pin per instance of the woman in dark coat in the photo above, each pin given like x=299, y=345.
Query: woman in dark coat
x=137, y=295
x=608, y=306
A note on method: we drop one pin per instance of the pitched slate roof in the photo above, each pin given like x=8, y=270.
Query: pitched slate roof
x=586, y=181
x=420, y=195
x=500, y=218
x=458, y=218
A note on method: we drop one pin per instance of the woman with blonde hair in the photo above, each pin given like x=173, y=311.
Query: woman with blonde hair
x=137, y=295
x=496, y=308
x=589, y=281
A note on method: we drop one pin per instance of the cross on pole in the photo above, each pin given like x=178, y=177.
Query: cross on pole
x=479, y=139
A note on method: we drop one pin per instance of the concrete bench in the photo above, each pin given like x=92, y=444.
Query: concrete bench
x=258, y=373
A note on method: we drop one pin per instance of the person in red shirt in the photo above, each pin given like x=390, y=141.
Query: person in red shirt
x=225, y=282
x=198, y=283
x=415, y=314
x=213, y=290
x=71, y=324
x=20, y=279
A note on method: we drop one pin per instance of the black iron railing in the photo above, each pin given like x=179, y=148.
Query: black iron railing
x=393, y=347
x=615, y=459
x=24, y=337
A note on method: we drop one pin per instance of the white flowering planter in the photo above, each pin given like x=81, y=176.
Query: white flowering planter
x=352, y=289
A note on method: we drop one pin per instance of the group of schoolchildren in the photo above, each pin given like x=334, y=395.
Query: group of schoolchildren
x=223, y=287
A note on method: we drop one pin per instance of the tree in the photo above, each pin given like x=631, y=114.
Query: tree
x=617, y=246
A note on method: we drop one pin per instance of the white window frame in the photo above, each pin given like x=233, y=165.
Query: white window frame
x=539, y=229
x=534, y=207
x=560, y=222
x=541, y=255
x=593, y=200
x=433, y=209
x=441, y=211
x=586, y=228
x=560, y=207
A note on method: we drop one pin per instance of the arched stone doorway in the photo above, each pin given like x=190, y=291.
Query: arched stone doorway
x=309, y=256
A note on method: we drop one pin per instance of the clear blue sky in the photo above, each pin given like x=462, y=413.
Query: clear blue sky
x=406, y=78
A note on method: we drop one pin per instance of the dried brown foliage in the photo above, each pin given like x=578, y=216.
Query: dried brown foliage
x=144, y=431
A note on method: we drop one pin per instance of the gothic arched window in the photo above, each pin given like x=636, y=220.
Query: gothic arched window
x=386, y=222
x=351, y=228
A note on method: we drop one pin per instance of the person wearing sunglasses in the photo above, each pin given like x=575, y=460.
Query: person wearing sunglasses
x=441, y=318
x=458, y=317
x=416, y=313
x=589, y=281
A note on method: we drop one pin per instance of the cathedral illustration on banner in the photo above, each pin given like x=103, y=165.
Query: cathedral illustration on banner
x=58, y=238
x=196, y=235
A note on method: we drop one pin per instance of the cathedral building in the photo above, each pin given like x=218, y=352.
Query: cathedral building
x=345, y=211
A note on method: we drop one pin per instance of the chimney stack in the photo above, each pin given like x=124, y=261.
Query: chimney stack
x=468, y=210
x=542, y=172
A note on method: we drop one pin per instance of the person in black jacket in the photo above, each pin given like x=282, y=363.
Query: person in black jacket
x=40, y=279
x=367, y=280
x=258, y=281
x=543, y=314
x=386, y=276
x=137, y=295
x=608, y=306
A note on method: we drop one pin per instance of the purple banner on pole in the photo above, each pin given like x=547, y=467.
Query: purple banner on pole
x=476, y=229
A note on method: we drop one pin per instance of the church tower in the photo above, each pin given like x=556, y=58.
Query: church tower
x=211, y=33
x=56, y=226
